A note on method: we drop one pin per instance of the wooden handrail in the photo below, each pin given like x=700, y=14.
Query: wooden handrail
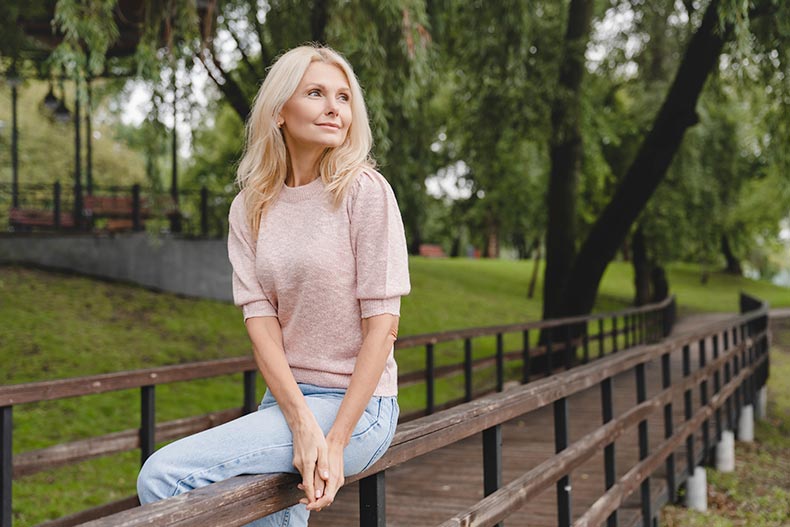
x=253, y=496
x=14, y=394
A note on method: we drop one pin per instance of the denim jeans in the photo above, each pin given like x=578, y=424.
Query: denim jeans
x=261, y=443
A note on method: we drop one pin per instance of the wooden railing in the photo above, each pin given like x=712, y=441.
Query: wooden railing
x=570, y=341
x=732, y=360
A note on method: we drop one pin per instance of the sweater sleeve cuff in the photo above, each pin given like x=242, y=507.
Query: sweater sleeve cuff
x=380, y=306
x=258, y=308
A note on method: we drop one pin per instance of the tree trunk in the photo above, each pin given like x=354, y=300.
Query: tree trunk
x=535, y=265
x=648, y=169
x=641, y=269
x=660, y=285
x=733, y=264
x=566, y=152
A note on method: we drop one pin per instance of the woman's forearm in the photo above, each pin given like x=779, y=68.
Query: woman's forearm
x=268, y=350
x=379, y=335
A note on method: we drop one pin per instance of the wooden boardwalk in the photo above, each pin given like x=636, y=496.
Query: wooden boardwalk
x=431, y=489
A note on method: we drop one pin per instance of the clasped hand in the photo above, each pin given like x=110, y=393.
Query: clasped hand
x=320, y=462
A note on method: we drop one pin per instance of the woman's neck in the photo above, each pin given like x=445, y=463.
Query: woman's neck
x=303, y=169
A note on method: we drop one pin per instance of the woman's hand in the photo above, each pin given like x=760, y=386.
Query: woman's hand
x=310, y=458
x=329, y=472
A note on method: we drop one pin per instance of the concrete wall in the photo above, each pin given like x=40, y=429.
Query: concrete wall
x=197, y=268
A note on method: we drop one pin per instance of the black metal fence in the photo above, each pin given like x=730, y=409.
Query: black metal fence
x=193, y=212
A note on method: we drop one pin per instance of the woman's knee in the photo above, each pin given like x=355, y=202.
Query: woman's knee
x=156, y=480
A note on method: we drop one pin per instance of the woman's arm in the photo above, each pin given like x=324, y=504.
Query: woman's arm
x=379, y=334
x=309, y=443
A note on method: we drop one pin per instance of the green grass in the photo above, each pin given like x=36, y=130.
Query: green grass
x=56, y=326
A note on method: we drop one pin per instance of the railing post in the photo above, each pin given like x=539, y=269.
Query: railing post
x=567, y=350
x=137, y=224
x=549, y=351
x=203, y=211
x=6, y=460
x=607, y=410
x=56, y=204
x=717, y=386
x=600, y=338
x=467, y=369
x=429, y=379
x=147, y=422
x=560, y=444
x=372, y=501
x=250, y=399
x=500, y=363
x=666, y=382
x=525, y=358
x=586, y=344
x=492, y=460
x=641, y=396
x=727, y=377
x=703, y=398
x=614, y=334
x=690, y=462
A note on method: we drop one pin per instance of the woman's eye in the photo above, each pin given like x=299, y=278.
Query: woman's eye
x=343, y=97
x=314, y=92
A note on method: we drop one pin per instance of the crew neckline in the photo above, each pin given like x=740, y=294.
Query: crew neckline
x=302, y=192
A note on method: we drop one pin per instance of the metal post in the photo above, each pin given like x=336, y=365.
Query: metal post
x=600, y=338
x=666, y=381
x=717, y=386
x=372, y=501
x=204, y=211
x=14, y=147
x=137, y=224
x=525, y=366
x=607, y=409
x=567, y=350
x=147, y=422
x=467, y=369
x=429, y=401
x=641, y=396
x=77, y=157
x=560, y=444
x=727, y=377
x=250, y=399
x=88, y=139
x=175, y=216
x=492, y=460
x=703, y=398
x=614, y=334
x=56, y=204
x=586, y=344
x=6, y=463
x=500, y=363
x=690, y=463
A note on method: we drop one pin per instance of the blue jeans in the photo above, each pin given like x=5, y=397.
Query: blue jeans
x=261, y=443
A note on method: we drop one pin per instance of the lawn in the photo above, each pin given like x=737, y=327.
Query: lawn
x=55, y=325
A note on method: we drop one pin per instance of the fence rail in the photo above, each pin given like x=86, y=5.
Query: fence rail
x=743, y=361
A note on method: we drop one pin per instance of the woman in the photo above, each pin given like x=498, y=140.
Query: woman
x=319, y=265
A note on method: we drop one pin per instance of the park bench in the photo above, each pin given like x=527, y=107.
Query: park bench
x=431, y=251
x=118, y=210
x=27, y=219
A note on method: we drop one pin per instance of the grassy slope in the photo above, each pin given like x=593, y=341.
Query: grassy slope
x=54, y=326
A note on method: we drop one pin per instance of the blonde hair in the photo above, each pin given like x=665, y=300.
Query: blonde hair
x=265, y=163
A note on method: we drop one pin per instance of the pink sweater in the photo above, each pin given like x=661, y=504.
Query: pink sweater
x=320, y=270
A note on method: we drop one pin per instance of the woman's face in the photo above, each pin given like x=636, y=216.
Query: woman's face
x=318, y=114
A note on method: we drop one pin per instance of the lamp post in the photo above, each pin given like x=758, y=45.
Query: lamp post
x=77, y=156
x=14, y=80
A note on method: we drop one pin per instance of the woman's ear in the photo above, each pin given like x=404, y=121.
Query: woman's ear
x=280, y=121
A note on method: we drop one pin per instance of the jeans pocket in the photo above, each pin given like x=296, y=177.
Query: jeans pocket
x=387, y=429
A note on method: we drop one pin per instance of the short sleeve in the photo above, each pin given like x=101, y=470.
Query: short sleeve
x=247, y=291
x=379, y=242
